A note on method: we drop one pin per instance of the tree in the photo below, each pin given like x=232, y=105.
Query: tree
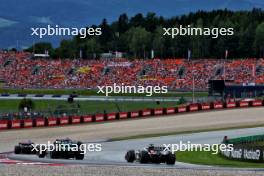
x=138, y=39
x=66, y=49
x=259, y=40
x=122, y=23
x=92, y=48
x=151, y=22
x=137, y=21
x=158, y=43
x=137, y=35
x=107, y=35
x=40, y=47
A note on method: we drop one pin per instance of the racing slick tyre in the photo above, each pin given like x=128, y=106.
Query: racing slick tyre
x=53, y=155
x=143, y=157
x=171, y=159
x=41, y=154
x=79, y=156
x=17, y=149
x=130, y=156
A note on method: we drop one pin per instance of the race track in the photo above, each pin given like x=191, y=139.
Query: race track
x=113, y=152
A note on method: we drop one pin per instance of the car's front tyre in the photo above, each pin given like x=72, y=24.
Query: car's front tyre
x=143, y=157
x=130, y=156
x=171, y=159
x=17, y=149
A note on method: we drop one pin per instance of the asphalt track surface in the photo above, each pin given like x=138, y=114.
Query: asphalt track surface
x=113, y=152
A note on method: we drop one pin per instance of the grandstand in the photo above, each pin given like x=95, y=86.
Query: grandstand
x=18, y=70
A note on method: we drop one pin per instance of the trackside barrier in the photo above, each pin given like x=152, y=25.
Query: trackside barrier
x=87, y=118
x=3, y=124
x=134, y=114
x=192, y=107
x=15, y=123
x=75, y=119
x=99, y=118
x=123, y=115
x=230, y=104
x=52, y=121
x=146, y=112
x=204, y=106
x=243, y=104
x=28, y=123
x=217, y=105
x=111, y=116
x=158, y=111
x=256, y=103
x=63, y=121
x=181, y=109
x=170, y=110
x=38, y=122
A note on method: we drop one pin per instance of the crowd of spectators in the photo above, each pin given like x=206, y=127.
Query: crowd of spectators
x=20, y=70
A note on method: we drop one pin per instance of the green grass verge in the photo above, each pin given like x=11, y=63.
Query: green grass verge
x=94, y=92
x=142, y=136
x=86, y=107
x=207, y=158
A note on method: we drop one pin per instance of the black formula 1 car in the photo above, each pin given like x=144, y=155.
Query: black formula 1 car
x=151, y=154
x=63, y=149
x=25, y=148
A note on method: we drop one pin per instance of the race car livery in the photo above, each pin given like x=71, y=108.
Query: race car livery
x=25, y=148
x=64, y=149
x=151, y=154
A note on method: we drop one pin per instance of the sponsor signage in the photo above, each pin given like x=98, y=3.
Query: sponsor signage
x=257, y=103
x=15, y=123
x=158, y=111
x=170, y=110
x=76, y=119
x=231, y=105
x=52, y=121
x=99, y=117
x=87, y=119
x=111, y=116
x=134, y=114
x=182, y=109
x=146, y=113
x=28, y=123
x=3, y=124
x=243, y=104
x=122, y=115
x=64, y=120
x=248, y=154
x=218, y=105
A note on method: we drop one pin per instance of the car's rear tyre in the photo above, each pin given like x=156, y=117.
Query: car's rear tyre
x=17, y=149
x=53, y=155
x=41, y=154
x=171, y=159
x=143, y=157
x=79, y=156
x=130, y=156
